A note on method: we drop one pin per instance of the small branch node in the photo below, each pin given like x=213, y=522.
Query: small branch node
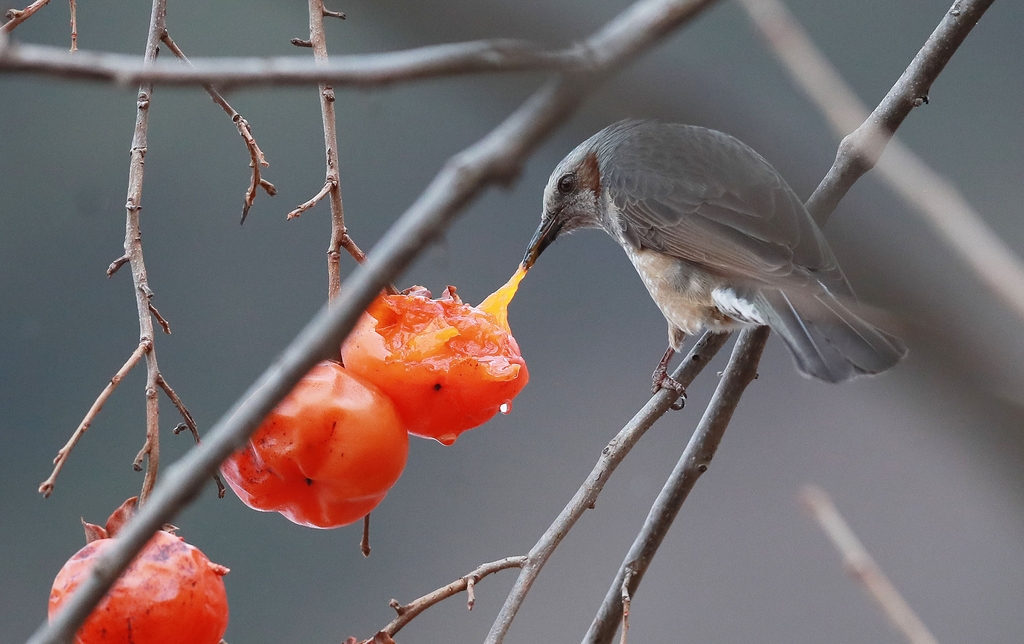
x=116, y=265
x=470, y=592
x=401, y=610
x=334, y=14
x=299, y=42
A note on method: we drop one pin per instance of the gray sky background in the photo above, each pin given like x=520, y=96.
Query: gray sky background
x=924, y=461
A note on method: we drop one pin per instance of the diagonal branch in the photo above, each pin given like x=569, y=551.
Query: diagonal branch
x=256, y=157
x=586, y=496
x=936, y=198
x=862, y=567
x=695, y=460
x=360, y=70
x=925, y=67
x=497, y=158
x=46, y=487
x=17, y=16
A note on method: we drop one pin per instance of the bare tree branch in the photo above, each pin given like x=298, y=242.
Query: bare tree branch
x=863, y=568
x=496, y=158
x=133, y=250
x=17, y=16
x=695, y=460
x=408, y=612
x=362, y=70
x=339, y=233
x=46, y=487
x=256, y=157
x=586, y=496
x=933, y=56
x=860, y=150
x=933, y=196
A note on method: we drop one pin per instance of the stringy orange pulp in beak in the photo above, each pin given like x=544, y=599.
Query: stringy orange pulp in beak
x=497, y=302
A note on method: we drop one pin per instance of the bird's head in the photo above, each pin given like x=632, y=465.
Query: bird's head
x=572, y=199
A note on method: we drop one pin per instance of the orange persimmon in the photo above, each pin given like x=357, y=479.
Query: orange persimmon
x=170, y=593
x=326, y=455
x=447, y=366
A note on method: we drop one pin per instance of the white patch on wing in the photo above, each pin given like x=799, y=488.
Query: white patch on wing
x=730, y=303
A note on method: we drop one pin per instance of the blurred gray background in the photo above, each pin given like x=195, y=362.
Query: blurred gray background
x=923, y=461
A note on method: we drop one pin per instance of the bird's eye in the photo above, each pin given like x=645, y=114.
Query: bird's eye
x=567, y=183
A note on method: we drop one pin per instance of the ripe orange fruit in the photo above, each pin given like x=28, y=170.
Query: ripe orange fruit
x=326, y=455
x=447, y=366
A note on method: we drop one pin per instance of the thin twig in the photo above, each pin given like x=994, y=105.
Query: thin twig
x=863, y=568
x=256, y=157
x=17, y=16
x=74, y=26
x=936, y=51
x=46, y=487
x=466, y=583
x=164, y=324
x=495, y=159
x=339, y=233
x=586, y=495
x=364, y=543
x=695, y=460
x=306, y=205
x=358, y=70
x=933, y=196
x=189, y=424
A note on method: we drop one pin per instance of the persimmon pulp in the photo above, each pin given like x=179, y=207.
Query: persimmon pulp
x=447, y=366
x=326, y=455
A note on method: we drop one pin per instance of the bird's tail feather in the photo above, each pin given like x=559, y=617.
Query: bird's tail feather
x=828, y=340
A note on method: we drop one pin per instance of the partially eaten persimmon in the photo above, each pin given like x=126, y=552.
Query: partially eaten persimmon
x=447, y=366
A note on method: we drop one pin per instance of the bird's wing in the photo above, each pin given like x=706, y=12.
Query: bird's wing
x=705, y=197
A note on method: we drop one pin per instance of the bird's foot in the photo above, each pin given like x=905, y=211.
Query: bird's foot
x=661, y=380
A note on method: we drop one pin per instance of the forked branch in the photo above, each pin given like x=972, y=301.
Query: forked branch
x=256, y=157
x=46, y=487
x=408, y=612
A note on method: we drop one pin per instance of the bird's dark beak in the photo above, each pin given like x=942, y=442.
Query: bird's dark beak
x=546, y=233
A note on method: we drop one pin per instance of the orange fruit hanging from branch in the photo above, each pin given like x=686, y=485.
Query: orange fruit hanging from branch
x=447, y=366
x=170, y=593
x=326, y=455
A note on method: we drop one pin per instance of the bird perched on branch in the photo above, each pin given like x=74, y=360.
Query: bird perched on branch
x=720, y=241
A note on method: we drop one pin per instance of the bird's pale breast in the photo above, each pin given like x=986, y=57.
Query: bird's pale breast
x=683, y=292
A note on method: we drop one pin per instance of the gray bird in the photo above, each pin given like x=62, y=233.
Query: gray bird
x=720, y=241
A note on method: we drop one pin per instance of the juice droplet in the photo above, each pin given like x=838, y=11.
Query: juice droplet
x=497, y=302
x=447, y=439
x=506, y=407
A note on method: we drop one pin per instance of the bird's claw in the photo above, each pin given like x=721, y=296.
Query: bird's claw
x=661, y=380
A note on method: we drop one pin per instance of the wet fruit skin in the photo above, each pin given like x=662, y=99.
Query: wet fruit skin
x=170, y=594
x=326, y=455
x=447, y=366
